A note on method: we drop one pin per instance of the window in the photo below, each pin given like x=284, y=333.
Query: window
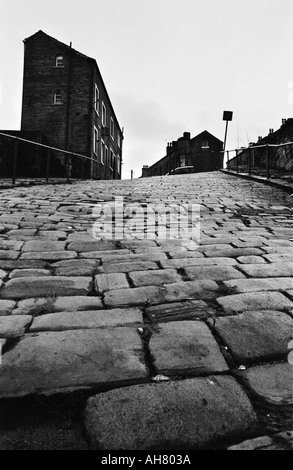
x=57, y=97
x=182, y=161
x=103, y=151
x=118, y=165
x=106, y=155
x=103, y=114
x=111, y=159
x=112, y=128
x=96, y=102
x=59, y=61
x=96, y=140
x=119, y=139
x=205, y=144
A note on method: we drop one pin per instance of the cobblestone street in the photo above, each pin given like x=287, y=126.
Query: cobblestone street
x=140, y=344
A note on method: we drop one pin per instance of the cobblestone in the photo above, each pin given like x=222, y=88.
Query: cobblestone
x=108, y=282
x=186, y=347
x=216, y=273
x=184, y=414
x=151, y=278
x=255, y=336
x=21, y=288
x=14, y=325
x=168, y=293
x=280, y=441
x=254, y=301
x=271, y=383
x=260, y=284
x=52, y=362
x=86, y=319
x=66, y=338
x=269, y=270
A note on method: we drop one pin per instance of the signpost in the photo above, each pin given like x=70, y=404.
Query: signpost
x=227, y=116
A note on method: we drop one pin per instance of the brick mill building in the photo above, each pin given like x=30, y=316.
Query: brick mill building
x=201, y=153
x=66, y=103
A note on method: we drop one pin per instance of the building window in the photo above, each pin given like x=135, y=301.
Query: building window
x=111, y=159
x=96, y=102
x=118, y=164
x=106, y=155
x=57, y=97
x=103, y=114
x=112, y=128
x=119, y=139
x=205, y=144
x=182, y=161
x=59, y=60
x=103, y=151
x=96, y=140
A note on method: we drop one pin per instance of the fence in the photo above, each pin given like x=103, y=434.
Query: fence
x=261, y=159
x=67, y=156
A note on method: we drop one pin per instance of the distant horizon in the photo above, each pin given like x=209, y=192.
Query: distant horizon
x=170, y=66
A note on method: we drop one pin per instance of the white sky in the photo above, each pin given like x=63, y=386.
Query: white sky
x=169, y=65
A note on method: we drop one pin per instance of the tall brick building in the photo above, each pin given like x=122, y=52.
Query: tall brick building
x=201, y=153
x=65, y=99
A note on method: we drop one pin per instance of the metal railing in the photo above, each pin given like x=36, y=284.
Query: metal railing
x=49, y=149
x=255, y=158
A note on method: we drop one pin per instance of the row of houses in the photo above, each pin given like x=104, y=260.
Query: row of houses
x=200, y=153
x=65, y=105
x=280, y=158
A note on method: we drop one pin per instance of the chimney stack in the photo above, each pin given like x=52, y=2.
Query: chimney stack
x=186, y=135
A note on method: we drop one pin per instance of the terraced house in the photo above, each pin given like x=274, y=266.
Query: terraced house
x=186, y=154
x=65, y=99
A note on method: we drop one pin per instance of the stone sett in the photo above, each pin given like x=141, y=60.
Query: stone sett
x=184, y=262
x=127, y=267
x=188, y=414
x=49, y=256
x=14, y=325
x=86, y=319
x=65, y=361
x=268, y=270
x=279, y=441
x=255, y=336
x=260, y=284
x=254, y=301
x=159, y=277
x=108, y=282
x=6, y=307
x=216, y=273
x=271, y=383
x=156, y=294
x=26, y=287
x=43, y=246
x=29, y=273
x=186, y=347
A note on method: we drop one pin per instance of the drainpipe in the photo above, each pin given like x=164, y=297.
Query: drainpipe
x=68, y=110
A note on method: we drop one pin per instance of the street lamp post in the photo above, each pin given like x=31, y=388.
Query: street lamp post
x=227, y=116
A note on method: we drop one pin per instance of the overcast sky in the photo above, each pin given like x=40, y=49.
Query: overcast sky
x=169, y=65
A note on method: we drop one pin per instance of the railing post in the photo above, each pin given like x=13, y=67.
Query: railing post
x=14, y=163
x=249, y=161
x=237, y=163
x=48, y=165
x=268, y=161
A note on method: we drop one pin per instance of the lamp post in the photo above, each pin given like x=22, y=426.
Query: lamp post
x=227, y=116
